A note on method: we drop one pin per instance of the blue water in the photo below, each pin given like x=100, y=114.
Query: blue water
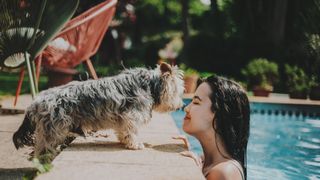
x=280, y=146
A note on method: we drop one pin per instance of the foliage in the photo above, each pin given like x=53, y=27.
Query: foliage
x=8, y=83
x=159, y=16
x=188, y=71
x=224, y=34
x=41, y=168
x=197, y=8
x=314, y=46
x=206, y=74
x=297, y=80
x=261, y=72
x=314, y=81
x=27, y=28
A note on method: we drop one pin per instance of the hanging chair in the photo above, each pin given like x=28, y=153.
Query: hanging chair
x=81, y=37
x=77, y=41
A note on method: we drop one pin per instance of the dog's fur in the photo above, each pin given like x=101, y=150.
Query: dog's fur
x=123, y=103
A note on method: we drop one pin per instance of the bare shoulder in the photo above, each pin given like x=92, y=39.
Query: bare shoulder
x=225, y=171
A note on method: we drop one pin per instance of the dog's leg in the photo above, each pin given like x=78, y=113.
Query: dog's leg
x=41, y=149
x=47, y=141
x=121, y=136
x=129, y=139
x=127, y=136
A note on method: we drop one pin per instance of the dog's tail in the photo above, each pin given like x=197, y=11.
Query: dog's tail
x=24, y=135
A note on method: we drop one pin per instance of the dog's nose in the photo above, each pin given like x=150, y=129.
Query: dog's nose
x=182, y=107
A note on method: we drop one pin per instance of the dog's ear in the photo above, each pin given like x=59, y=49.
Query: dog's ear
x=165, y=68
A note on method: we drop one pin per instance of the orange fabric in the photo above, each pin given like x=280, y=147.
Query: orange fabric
x=19, y=86
x=83, y=34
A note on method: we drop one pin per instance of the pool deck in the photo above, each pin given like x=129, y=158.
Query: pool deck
x=275, y=98
x=102, y=157
x=13, y=163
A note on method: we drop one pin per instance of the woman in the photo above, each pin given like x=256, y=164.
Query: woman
x=218, y=117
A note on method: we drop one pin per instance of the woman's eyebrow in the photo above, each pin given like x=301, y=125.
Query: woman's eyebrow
x=197, y=97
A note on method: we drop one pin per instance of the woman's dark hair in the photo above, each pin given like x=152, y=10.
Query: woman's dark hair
x=232, y=116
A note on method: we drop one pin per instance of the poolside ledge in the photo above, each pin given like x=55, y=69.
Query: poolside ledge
x=275, y=98
x=104, y=158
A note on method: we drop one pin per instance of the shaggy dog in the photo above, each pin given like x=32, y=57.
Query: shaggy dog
x=123, y=102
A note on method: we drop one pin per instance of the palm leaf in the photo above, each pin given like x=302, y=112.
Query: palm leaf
x=24, y=28
x=56, y=14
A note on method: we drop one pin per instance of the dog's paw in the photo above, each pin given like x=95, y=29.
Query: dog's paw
x=135, y=146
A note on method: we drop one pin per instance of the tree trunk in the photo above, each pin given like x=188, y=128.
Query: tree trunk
x=185, y=22
x=279, y=23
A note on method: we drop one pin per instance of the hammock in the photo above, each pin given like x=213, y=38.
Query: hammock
x=77, y=41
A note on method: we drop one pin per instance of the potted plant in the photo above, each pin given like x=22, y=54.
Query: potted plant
x=297, y=82
x=205, y=74
x=261, y=74
x=314, y=88
x=190, y=78
x=314, y=44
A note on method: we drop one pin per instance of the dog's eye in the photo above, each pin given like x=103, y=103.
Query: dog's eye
x=185, y=105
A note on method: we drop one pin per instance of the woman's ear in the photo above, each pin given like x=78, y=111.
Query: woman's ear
x=165, y=68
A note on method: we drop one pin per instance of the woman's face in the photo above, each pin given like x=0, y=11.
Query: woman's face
x=199, y=116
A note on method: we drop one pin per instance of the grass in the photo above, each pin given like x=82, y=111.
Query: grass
x=9, y=83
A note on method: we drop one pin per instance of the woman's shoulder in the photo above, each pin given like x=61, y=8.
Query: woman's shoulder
x=226, y=170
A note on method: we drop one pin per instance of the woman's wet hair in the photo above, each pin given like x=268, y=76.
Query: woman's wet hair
x=232, y=116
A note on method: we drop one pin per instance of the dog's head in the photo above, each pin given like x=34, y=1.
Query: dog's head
x=171, y=87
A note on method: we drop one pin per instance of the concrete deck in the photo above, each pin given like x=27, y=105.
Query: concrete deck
x=104, y=157
x=13, y=163
x=283, y=99
x=276, y=99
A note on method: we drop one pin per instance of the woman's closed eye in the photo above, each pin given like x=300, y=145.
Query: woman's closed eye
x=196, y=100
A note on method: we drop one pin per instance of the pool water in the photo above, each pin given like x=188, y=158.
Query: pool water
x=280, y=146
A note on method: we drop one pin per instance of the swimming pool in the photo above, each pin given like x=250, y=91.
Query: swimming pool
x=284, y=141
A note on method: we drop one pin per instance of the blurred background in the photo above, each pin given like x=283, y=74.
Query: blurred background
x=258, y=42
x=216, y=36
x=265, y=45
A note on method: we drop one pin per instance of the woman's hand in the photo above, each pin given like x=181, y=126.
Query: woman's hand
x=184, y=139
x=189, y=153
x=195, y=157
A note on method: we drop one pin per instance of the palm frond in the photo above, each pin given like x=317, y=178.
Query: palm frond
x=25, y=28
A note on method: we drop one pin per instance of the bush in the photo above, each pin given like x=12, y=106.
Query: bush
x=261, y=72
x=187, y=71
x=297, y=80
x=206, y=74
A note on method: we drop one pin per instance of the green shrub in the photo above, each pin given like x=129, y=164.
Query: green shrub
x=297, y=80
x=188, y=71
x=314, y=81
x=261, y=72
x=206, y=74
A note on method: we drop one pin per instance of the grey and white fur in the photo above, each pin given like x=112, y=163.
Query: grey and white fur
x=123, y=102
